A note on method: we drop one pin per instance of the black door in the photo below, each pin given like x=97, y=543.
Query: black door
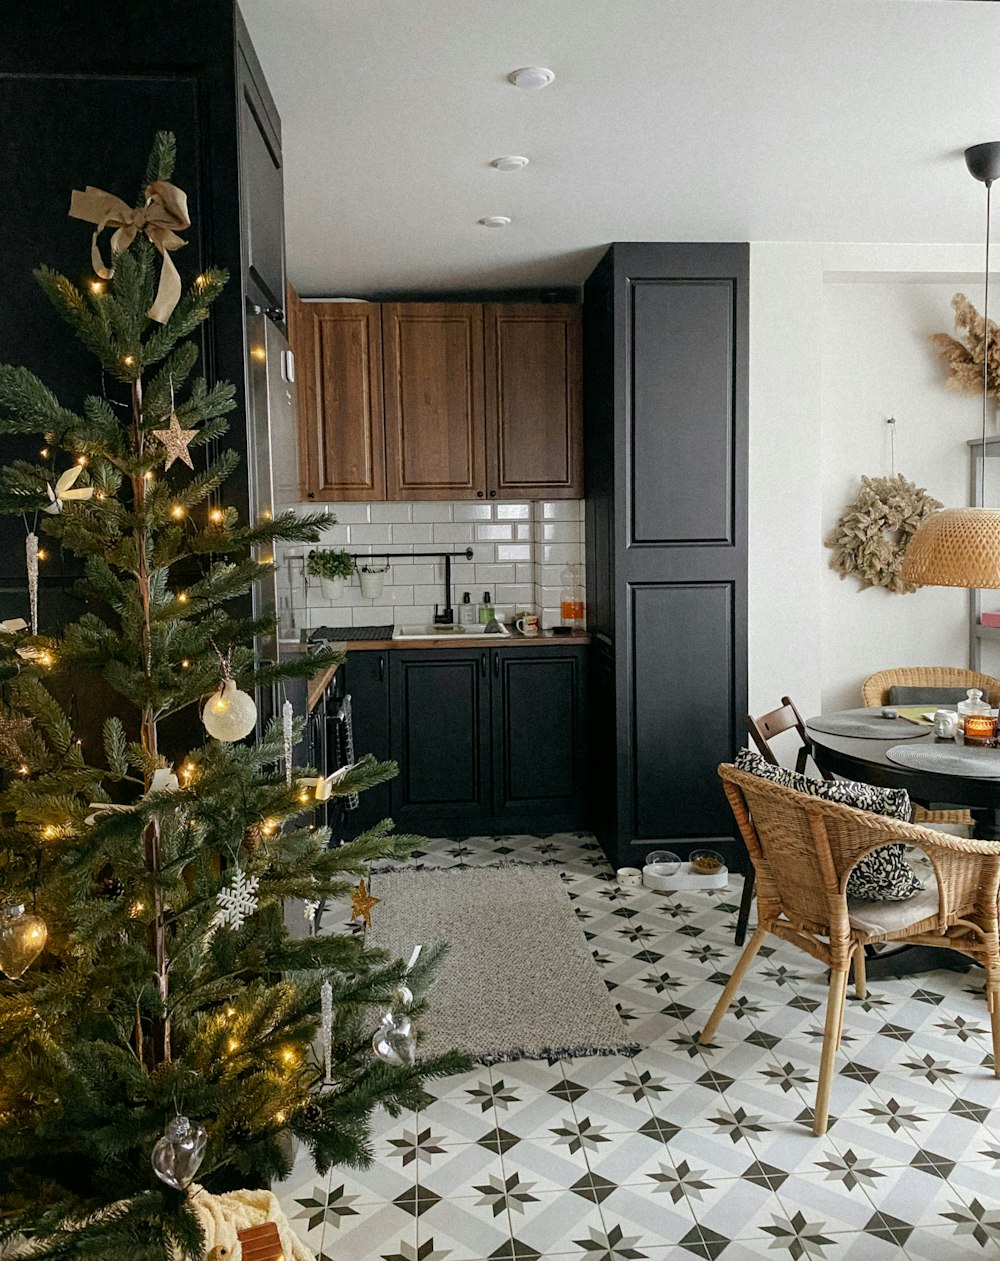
x=666, y=435
x=367, y=682
x=440, y=707
x=539, y=738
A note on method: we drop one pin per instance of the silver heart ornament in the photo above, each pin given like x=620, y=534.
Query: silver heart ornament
x=177, y=1156
x=394, y=1041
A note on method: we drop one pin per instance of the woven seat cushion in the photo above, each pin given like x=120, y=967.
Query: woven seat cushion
x=882, y=876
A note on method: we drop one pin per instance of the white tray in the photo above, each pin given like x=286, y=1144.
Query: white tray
x=684, y=878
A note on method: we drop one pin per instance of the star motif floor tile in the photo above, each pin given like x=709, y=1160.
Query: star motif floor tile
x=686, y=1149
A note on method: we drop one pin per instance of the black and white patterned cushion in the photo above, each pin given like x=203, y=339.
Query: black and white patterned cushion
x=882, y=876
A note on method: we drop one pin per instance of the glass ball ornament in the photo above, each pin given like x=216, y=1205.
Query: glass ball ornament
x=229, y=714
x=22, y=940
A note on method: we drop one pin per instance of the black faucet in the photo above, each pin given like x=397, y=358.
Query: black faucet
x=446, y=617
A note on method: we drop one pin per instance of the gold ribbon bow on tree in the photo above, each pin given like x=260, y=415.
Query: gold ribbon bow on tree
x=160, y=219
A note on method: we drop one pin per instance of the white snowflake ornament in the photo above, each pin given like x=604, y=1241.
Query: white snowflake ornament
x=238, y=901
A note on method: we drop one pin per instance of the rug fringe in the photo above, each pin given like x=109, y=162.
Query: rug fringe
x=388, y=869
x=558, y=1052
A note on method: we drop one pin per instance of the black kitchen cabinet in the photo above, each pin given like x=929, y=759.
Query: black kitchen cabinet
x=539, y=734
x=366, y=679
x=488, y=740
x=665, y=441
x=440, y=711
x=83, y=89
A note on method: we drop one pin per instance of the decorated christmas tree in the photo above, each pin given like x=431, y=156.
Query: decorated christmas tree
x=157, y=1020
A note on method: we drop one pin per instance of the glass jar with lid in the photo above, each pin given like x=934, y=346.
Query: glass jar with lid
x=977, y=724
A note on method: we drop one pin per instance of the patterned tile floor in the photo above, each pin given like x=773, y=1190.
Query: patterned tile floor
x=683, y=1150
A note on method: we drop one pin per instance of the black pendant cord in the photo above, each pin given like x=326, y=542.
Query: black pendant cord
x=986, y=341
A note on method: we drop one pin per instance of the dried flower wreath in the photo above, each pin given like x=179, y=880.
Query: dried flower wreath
x=870, y=539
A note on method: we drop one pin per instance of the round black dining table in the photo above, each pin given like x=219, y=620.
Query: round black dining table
x=856, y=758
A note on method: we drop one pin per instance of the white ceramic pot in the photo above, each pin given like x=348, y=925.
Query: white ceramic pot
x=333, y=588
x=372, y=579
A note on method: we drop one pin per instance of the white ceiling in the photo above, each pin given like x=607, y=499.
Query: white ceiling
x=674, y=120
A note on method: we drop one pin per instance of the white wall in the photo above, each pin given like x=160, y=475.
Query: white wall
x=838, y=342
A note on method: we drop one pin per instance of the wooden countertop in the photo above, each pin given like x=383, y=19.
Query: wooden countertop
x=318, y=684
x=514, y=640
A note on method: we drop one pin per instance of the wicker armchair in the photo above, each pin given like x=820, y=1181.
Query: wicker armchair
x=803, y=850
x=875, y=692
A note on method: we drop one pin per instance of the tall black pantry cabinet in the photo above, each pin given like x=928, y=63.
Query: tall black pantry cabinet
x=665, y=417
x=84, y=85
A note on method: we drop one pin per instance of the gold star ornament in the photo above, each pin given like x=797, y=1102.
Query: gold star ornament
x=176, y=440
x=362, y=903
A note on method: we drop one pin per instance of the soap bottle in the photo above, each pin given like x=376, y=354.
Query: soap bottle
x=486, y=609
x=468, y=614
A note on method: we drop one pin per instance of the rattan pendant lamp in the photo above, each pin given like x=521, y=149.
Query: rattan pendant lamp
x=960, y=547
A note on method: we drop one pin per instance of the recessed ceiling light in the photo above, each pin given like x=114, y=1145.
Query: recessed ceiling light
x=531, y=77
x=495, y=221
x=512, y=162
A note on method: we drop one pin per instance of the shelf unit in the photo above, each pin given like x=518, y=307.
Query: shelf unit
x=979, y=634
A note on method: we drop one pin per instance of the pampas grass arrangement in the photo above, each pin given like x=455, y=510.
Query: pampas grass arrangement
x=964, y=355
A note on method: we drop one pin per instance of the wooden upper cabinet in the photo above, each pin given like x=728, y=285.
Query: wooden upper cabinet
x=534, y=420
x=438, y=400
x=341, y=431
x=435, y=442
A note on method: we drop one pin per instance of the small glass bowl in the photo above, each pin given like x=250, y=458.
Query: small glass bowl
x=663, y=862
x=707, y=862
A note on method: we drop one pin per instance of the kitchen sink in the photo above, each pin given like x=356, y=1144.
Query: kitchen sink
x=437, y=632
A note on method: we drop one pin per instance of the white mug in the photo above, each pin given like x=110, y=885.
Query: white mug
x=528, y=624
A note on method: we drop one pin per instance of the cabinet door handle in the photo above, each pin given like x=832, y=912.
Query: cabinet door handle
x=381, y=669
x=496, y=665
x=482, y=664
x=493, y=494
x=479, y=494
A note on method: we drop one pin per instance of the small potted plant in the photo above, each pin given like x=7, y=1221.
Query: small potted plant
x=332, y=568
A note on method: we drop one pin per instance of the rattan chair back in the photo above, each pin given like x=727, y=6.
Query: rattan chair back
x=804, y=849
x=875, y=689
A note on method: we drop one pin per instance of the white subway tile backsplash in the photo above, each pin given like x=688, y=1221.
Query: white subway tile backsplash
x=432, y=512
x=494, y=533
x=473, y=512
x=369, y=616
x=520, y=555
x=560, y=509
x=352, y=514
x=521, y=594
x=561, y=532
x=413, y=534
x=391, y=514
x=458, y=533
x=514, y=551
x=487, y=574
x=561, y=553
x=370, y=534
x=422, y=573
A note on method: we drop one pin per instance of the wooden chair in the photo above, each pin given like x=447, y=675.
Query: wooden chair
x=762, y=729
x=804, y=849
x=875, y=692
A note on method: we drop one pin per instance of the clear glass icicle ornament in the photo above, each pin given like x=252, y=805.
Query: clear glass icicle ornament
x=31, y=555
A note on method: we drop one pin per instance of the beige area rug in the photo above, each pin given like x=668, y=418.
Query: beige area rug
x=518, y=981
